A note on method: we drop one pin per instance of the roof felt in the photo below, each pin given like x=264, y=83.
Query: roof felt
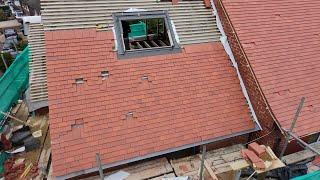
x=187, y=98
x=282, y=42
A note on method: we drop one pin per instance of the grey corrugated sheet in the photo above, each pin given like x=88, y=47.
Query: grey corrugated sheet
x=194, y=23
x=38, y=93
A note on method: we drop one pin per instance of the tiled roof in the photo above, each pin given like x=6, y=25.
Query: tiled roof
x=282, y=42
x=193, y=21
x=187, y=98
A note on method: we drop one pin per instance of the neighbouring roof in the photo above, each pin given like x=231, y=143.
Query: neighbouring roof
x=9, y=24
x=282, y=42
x=187, y=98
x=194, y=23
x=38, y=96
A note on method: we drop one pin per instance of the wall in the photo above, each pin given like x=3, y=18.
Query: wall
x=271, y=133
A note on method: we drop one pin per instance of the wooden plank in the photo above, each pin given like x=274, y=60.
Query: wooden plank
x=189, y=166
x=40, y=156
x=186, y=165
x=43, y=162
x=210, y=171
x=225, y=150
x=220, y=160
x=163, y=176
x=274, y=164
x=144, y=170
x=131, y=45
x=16, y=108
x=162, y=43
x=154, y=43
x=139, y=45
x=232, y=156
x=238, y=165
x=146, y=44
x=50, y=176
x=23, y=112
x=301, y=155
x=14, y=118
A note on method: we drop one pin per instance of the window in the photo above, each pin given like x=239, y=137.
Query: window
x=144, y=33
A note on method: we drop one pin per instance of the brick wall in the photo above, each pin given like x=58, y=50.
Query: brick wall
x=275, y=138
x=229, y=142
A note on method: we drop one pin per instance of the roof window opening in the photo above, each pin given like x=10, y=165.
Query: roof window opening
x=144, y=33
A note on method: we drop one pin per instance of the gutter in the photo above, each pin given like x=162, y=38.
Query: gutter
x=138, y=158
x=228, y=50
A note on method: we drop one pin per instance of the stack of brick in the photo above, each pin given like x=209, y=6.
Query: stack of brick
x=14, y=169
x=257, y=155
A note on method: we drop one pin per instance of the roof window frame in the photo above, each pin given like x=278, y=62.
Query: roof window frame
x=118, y=30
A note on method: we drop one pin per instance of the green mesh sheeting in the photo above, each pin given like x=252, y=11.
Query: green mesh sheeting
x=3, y=157
x=14, y=82
x=311, y=176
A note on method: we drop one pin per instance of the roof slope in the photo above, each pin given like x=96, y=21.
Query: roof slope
x=194, y=23
x=282, y=42
x=37, y=68
x=187, y=98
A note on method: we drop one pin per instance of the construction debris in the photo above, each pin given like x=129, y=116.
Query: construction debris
x=14, y=118
x=189, y=166
x=144, y=170
x=37, y=134
x=22, y=143
x=301, y=155
x=261, y=158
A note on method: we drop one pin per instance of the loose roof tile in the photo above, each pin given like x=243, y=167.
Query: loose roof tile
x=282, y=42
x=190, y=97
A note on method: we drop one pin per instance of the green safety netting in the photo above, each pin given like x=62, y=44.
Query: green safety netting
x=3, y=157
x=311, y=176
x=14, y=82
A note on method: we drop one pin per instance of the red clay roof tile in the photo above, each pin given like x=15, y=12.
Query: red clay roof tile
x=189, y=97
x=282, y=42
